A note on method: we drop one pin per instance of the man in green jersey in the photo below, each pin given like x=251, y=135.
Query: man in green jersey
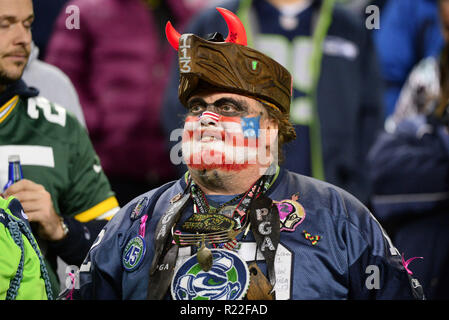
x=65, y=193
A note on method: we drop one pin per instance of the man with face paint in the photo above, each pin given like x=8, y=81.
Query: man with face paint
x=237, y=225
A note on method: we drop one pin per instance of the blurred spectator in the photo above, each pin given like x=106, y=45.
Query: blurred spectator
x=422, y=87
x=419, y=93
x=46, y=12
x=118, y=61
x=52, y=83
x=337, y=105
x=411, y=195
x=409, y=32
x=410, y=171
x=64, y=192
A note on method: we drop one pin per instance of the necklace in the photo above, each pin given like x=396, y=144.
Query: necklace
x=206, y=227
x=201, y=202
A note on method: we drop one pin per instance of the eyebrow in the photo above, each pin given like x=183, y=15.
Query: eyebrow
x=237, y=102
x=14, y=18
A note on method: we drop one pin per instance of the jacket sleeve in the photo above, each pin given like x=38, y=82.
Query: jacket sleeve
x=408, y=170
x=376, y=269
x=99, y=277
x=87, y=203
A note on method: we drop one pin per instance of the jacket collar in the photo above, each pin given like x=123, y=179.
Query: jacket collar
x=10, y=97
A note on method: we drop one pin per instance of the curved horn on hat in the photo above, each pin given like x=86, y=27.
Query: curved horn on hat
x=237, y=32
x=172, y=35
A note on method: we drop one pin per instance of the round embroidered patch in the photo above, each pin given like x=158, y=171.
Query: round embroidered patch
x=227, y=280
x=133, y=253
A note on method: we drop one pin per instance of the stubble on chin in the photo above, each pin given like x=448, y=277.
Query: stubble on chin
x=211, y=179
x=7, y=79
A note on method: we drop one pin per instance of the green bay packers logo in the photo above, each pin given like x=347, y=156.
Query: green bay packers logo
x=133, y=253
x=228, y=279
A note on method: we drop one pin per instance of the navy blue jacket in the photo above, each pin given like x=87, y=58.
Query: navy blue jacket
x=353, y=258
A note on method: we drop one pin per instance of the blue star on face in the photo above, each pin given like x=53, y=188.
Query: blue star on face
x=250, y=127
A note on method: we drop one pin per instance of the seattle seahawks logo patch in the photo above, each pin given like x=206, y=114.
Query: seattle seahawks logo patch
x=228, y=279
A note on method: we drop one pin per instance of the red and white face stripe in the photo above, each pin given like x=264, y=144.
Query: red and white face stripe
x=213, y=141
x=209, y=117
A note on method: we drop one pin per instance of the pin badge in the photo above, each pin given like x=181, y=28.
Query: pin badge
x=139, y=209
x=313, y=239
x=176, y=198
x=291, y=213
x=133, y=253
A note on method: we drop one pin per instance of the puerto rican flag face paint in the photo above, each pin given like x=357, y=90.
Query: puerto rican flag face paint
x=213, y=141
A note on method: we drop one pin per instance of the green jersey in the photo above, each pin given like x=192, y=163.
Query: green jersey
x=55, y=151
x=23, y=274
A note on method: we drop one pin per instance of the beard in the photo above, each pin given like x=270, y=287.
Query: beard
x=10, y=72
x=7, y=78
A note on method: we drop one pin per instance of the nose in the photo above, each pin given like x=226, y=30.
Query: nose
x=22, y=35
x=209, y=118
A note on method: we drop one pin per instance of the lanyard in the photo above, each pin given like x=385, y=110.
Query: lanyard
x=259, y=187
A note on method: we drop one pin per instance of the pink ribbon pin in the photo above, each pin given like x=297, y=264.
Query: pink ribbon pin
x=143, y=222
x=69, y=296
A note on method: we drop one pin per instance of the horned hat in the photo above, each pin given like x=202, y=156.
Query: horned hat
x=229, y=65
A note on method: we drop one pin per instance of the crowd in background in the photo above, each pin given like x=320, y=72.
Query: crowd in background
x=369, y=104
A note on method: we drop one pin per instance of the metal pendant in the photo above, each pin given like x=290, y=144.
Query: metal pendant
x=204, y=257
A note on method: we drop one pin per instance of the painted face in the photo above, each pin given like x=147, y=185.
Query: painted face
x=16, y=17
x=225, y=131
